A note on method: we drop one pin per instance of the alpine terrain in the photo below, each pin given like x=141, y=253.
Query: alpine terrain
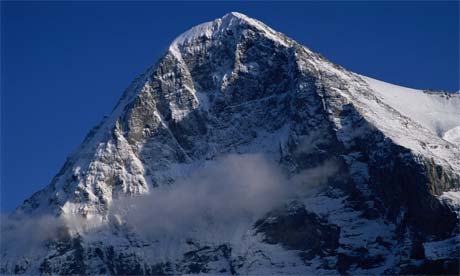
x=243, y=152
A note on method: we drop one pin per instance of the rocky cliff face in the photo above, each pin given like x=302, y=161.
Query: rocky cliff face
x=375, y=180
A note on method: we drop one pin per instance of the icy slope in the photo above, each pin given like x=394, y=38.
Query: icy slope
x=424, y=120
x=452, y=135
x=436, y=111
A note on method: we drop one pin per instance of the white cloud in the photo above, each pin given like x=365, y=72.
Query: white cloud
x=235, y=188
x=232, y=192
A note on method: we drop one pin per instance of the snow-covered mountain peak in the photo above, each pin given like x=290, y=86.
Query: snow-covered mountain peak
x=237, y=15
x=228, y=24
x=343, y=171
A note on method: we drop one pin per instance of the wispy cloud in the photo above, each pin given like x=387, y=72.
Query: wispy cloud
x=234, y=188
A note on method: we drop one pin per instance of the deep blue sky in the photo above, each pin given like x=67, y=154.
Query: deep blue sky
x=64, y=65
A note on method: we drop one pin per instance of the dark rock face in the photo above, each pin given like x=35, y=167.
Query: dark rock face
x=239, y=87
x=198, y=260
x=70, y=256
x=444, y=267
x=404, y=183
x=297, y=229
x=401, y=182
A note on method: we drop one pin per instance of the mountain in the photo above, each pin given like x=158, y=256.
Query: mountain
x=244, y=152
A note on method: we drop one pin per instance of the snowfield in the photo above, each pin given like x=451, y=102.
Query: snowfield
x=436, y=111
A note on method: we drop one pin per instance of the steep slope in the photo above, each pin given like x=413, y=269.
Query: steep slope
x=369, y=171
x=436, y=111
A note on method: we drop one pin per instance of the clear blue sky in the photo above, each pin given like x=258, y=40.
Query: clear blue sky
x=64, y=65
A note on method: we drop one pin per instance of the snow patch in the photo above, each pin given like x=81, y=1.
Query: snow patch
x=452, y=135
x=452, y=198
x=437, y=250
